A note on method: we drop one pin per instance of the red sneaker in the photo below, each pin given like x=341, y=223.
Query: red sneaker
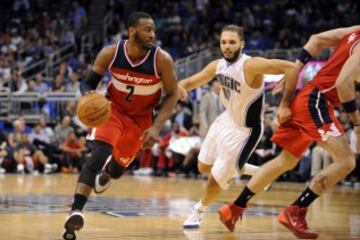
x=293, y=218
x=229, y=214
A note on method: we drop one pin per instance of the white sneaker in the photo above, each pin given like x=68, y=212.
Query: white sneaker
x=47, y=168
x=50, y=168
x=20, y=168
x=194, y=220
x=102, y=182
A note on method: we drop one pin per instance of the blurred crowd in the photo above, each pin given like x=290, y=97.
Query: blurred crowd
x=57, y=141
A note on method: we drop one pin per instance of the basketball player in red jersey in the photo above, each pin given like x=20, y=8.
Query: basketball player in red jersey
x=310, y=117
x=140, y=71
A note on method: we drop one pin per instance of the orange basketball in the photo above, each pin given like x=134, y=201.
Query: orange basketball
x=93, y=109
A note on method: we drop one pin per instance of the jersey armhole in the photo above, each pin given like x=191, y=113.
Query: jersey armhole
x=353, y=46
x=115, y=55
x=155, y=62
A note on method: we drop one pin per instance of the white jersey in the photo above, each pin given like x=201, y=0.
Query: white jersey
x=243, y=103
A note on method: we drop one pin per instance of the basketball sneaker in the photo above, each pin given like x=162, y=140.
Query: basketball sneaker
x=229, y=214
x=293, y=218
x=102, y=182
x=74, y=222
x=194, y=220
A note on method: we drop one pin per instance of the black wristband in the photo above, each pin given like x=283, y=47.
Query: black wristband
x=350, y=106
x=304, y=56
x=90, y=83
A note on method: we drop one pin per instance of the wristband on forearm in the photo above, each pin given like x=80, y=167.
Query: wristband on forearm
x=304, y=56
x=90, y=83
x=350, y=106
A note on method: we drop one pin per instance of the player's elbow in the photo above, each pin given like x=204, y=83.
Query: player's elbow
x=315, y=39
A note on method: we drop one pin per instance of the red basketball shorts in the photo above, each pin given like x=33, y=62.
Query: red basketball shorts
x=312, y=119
x=123, y=133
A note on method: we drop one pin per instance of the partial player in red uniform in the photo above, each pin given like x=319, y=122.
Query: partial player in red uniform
x=310, y=117
x=140, y=71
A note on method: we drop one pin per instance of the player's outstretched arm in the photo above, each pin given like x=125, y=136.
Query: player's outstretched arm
x=318, y=42
x=345, y=85
x=259, y=66
x=200, y=78
x=98, y=69
x=197, y=80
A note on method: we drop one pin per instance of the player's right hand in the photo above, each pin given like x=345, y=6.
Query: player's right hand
x=283, y=114
x=183, y=95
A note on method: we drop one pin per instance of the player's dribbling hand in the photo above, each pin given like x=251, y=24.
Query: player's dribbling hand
x=183, y=95
x=149, y=137
x=283, y=114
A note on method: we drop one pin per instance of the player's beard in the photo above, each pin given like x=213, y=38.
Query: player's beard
x=234, y=57
x=141, y=43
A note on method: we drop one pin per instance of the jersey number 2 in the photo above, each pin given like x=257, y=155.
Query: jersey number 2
x=131, y=92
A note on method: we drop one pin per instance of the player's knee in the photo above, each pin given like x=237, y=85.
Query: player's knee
x=203, y=168
x=213, y=184
x=349, y=164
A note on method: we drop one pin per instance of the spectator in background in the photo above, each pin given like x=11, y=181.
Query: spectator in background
x=65, y=71
x=181, y=117
x=62, y=130
x=19, y=129
x=210, y=108
x=72, y=154
x=18, y=84
x=58, y=84
x=40, y=85
x=320, y=159
x=73, y=84
x=166, y=160
x=28, y=158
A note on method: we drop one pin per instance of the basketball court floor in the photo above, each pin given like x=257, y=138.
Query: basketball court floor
x=141, y=208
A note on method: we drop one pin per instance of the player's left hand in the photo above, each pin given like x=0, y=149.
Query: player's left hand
x=183, y=95
x=283, y=114
x=149, y=137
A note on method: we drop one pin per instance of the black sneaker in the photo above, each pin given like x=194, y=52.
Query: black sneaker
x=74, y=222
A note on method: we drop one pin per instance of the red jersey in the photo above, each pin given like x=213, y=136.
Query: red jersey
x=135, y=88
x=325, y=79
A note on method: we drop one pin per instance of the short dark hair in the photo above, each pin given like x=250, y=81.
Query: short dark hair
x=234, y=28
x=134, y=18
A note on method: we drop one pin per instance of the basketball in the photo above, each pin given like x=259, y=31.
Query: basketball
x=93, y=110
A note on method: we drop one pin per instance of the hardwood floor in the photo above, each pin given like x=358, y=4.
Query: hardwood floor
x=35, y=207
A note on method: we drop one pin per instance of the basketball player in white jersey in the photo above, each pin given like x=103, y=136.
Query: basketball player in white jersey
x=234, y=135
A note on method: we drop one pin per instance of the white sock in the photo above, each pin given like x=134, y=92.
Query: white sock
x=249, y=169
x=200, y=207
